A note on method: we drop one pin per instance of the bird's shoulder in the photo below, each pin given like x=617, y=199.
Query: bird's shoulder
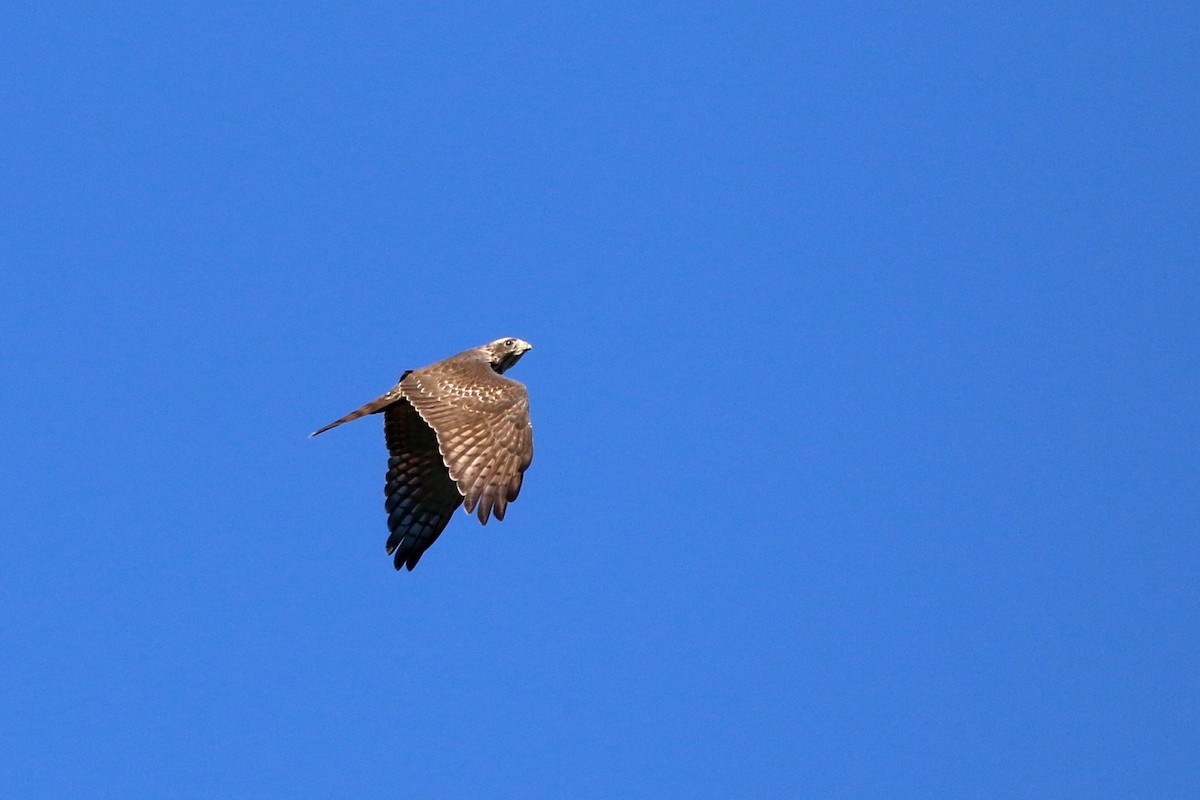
x=466, y=380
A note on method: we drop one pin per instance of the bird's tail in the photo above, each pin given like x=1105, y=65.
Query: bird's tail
x=373, y=407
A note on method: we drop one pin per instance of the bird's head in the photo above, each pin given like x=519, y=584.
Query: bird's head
x=503, y=353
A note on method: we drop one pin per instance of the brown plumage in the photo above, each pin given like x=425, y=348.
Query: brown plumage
x=458, y=433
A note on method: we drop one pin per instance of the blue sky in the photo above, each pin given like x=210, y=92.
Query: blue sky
x=864, y=397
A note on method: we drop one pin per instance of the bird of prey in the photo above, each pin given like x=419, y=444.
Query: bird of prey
x=458, y=433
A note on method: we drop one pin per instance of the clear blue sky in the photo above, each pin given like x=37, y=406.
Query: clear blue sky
x=864, y=394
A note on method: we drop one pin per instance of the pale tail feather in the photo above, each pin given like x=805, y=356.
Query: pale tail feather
x=373, y=407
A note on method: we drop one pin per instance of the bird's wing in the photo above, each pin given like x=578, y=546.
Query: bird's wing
x=481, y=419
x=421, y=497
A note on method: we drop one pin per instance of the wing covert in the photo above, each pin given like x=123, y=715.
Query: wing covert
x=481, y=420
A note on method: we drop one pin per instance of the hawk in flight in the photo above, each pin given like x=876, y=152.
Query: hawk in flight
x=458, y=433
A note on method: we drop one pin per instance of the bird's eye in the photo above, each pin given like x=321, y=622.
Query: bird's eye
x=509, y=342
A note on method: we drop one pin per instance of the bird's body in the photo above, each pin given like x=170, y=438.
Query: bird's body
x=457, y=432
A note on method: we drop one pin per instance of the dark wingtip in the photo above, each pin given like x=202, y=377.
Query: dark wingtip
x=404, y=556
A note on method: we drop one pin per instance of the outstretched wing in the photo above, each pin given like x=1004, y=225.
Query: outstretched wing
x=481, y=419
x=421, y=497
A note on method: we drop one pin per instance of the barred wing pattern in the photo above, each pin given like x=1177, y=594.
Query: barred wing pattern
x=481, y=419
x=457, y=433
x=421, y=498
